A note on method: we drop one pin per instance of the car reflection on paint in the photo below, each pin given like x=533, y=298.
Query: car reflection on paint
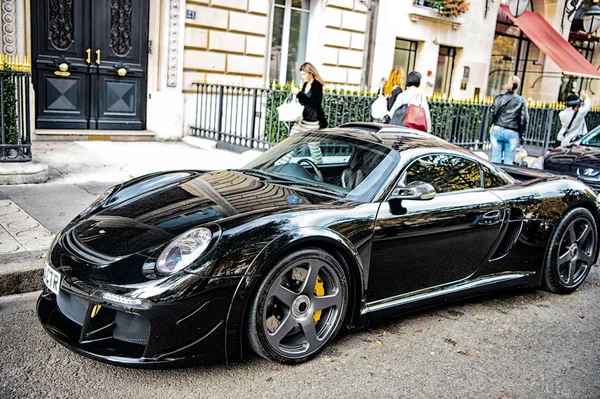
x=580, y=159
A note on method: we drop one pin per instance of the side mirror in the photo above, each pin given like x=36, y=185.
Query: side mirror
x=416, y=190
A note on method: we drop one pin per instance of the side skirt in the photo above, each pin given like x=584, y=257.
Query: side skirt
x=466, y=287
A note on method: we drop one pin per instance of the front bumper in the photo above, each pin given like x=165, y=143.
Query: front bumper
x=187, y=331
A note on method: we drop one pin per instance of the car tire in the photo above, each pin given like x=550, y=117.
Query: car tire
x=299, y=307
x=572, y=252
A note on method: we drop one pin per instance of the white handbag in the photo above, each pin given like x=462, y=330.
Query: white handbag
x=520, y=154
x=379, y=107
x=291, y=110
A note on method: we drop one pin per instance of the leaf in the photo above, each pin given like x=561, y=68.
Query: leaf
x=420, y=330
x=462, y=352
x=598, y=283
x=382, y=334
x=450, y=341
x=378, y=342
x=581, y=316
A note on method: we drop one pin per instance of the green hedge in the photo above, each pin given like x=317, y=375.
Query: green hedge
x=340, y=106
x=9, y=100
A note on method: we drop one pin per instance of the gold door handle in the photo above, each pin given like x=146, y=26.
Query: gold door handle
x=89, y=56
x=98, y=56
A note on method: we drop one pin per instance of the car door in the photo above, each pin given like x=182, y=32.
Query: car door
x=425, y=243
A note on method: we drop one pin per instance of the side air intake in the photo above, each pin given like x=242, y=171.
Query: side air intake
x=508, y=241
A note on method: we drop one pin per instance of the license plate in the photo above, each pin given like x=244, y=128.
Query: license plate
x=52, y=279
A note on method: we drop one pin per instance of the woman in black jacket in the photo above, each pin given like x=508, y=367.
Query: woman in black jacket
x=313, y=117
x=311, y=96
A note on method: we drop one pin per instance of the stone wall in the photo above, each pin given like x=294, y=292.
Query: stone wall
x=226, y=42
x=343, y=42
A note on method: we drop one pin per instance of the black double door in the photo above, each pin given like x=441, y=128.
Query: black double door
x=90, y=63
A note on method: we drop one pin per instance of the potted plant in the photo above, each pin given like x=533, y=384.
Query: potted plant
x=451, y=8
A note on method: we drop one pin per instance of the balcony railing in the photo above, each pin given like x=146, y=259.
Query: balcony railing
x=424, y=3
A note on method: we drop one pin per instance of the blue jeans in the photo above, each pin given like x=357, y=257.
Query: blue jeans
x=504, y=141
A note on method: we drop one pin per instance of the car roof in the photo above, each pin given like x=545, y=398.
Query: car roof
x=395, y=137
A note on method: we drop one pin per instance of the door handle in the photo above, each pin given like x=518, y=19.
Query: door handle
x=491, y=217
x=98, y=56
x=89, y=56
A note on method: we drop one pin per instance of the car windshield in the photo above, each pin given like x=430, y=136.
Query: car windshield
x=338, y=165
x=592, y=139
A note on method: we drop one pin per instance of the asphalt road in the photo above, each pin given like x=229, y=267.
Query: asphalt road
x=522, y=344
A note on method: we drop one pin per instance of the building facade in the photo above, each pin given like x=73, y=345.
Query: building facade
x=123, y=65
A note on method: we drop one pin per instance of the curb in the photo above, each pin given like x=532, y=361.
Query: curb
x=23, y=173
x=23, y=244
x=198, y=142
x=22, y=277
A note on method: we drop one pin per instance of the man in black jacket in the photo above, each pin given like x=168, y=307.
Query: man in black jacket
x=510, y=117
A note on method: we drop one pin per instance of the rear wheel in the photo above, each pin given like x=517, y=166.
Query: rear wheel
x=299, y=308
x=572, y=252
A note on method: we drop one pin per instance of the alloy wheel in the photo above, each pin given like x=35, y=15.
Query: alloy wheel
x=303, y=307
x=576, y=251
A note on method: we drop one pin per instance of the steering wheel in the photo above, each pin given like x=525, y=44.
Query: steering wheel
x=314, y=167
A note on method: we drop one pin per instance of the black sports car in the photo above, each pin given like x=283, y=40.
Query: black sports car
x=337, y=227
x=580, y=159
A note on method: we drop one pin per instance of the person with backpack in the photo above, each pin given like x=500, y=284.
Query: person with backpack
x=388, y=94
x=411, y=108
x=572, y=118
x=510, y=117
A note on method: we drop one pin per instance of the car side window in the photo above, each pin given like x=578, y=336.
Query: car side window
x=446, y=173
x=492, y=179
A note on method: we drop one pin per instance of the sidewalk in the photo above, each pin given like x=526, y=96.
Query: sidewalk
x=31, y=214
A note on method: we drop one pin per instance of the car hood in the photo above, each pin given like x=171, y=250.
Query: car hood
x=150, y=212
x=569, y=160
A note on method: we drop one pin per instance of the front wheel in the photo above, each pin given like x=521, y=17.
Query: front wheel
x=299, y=308
x=572, y=252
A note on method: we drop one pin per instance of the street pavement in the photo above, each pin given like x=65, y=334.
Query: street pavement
x=518, y=345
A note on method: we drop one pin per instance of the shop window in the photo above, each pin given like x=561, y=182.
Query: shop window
x=445, y=67
x=514, y=54
x=289, y=37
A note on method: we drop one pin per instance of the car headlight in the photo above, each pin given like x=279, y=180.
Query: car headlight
x=99, y=201
x=183, y=251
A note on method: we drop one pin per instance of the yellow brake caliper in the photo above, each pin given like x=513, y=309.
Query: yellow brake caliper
x=319, y=291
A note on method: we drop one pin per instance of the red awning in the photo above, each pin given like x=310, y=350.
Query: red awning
x=551, y=43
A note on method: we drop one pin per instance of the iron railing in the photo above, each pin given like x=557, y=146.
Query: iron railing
x=15, y=125
x=247, y=117
x=425, y=3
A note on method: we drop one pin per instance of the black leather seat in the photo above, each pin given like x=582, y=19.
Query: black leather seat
x=353, y=175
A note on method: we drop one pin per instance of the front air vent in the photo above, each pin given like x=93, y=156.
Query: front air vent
x=82, y=251
x=508, y=241
x=131, y=328
x=72, y=306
